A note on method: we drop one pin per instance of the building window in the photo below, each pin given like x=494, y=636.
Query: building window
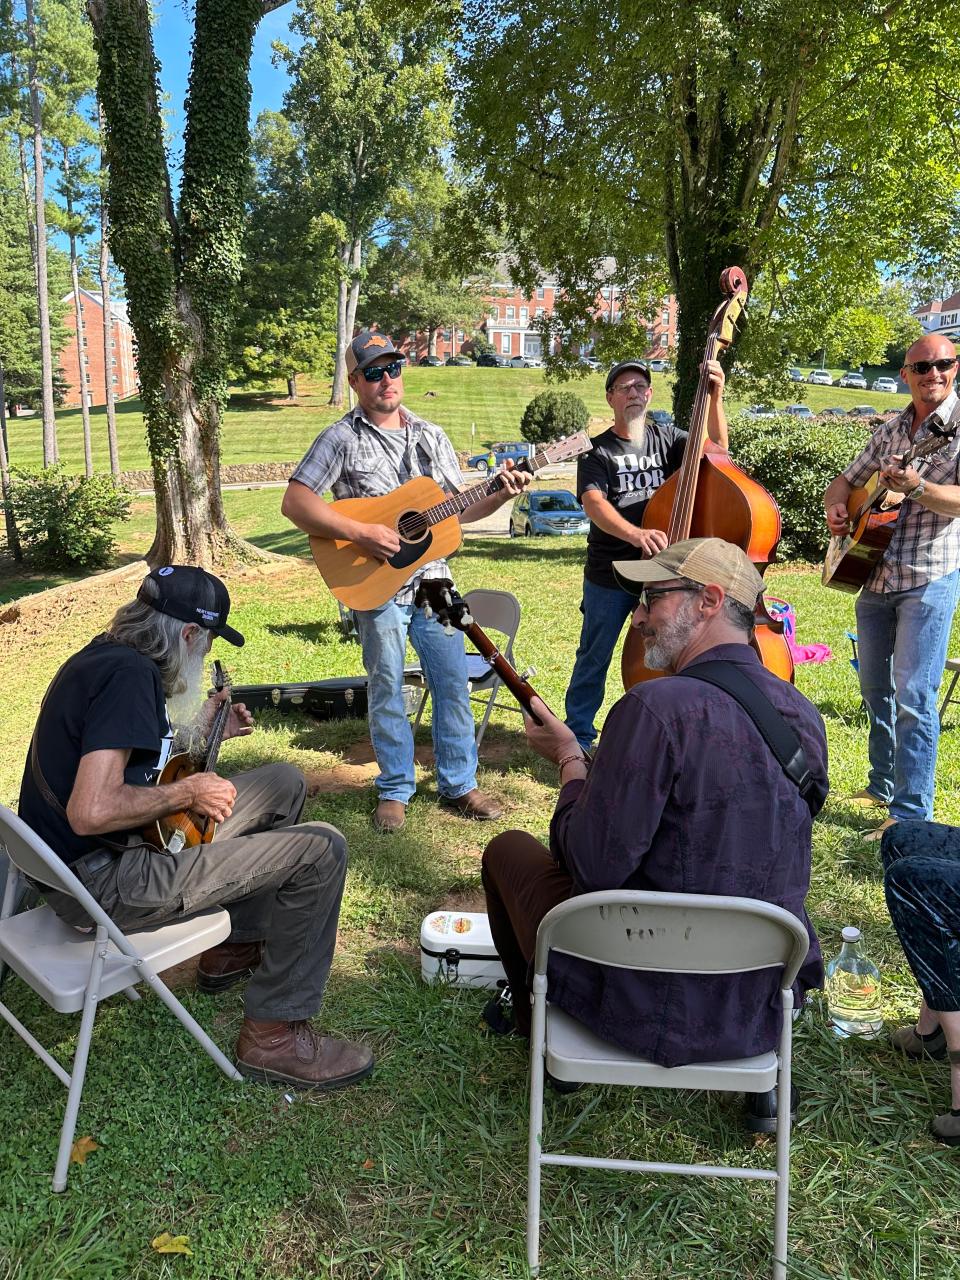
x=541, y=292
x=524, y=315
x=114, y=379
x=112, y=344
x=86, y=377
x=539, y=311
x=505, y=344
x=511, y=313
x=113, y=362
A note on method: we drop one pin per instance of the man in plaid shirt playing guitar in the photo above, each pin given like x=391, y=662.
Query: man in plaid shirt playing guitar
x=906, y=607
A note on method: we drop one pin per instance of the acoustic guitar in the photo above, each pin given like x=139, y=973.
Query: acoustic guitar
x=453, y=613
x=186, y=830
x=873, y=512
x=428, y=525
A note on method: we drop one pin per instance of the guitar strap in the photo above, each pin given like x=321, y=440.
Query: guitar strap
x=779, y=736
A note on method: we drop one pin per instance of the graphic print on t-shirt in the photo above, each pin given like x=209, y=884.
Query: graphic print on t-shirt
x=636, y=478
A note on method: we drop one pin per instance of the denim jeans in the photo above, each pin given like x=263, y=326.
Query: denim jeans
x=903, y=638
x=383, y=636
x=921, y=863
x=604, y=611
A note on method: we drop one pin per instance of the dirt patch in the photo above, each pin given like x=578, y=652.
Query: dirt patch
x=359, y=767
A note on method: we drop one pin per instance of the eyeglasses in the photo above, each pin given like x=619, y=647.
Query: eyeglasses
x=924, y=366
x=650, y=595
x=624, y=387
x=375, y=372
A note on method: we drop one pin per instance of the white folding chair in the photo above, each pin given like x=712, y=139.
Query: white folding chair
x=494, y=611
x=74, y=971
x=665, y=933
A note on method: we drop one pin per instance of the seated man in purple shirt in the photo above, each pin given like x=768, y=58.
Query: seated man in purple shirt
x=684, y=795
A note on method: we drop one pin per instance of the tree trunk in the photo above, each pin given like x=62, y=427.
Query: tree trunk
x=28, y=206
x=340, y=364
x=431, y=341
x=13, y=537
x=292, y=387
x=78, y=314
x=50, y=451
x=107, y=316
x=354, y=289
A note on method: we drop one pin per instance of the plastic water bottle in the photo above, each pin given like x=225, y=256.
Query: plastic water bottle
x=853, y=991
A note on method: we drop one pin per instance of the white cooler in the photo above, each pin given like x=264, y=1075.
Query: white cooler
x=456, y=948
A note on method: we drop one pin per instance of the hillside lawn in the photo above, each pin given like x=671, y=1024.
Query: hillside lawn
x=419, y=1173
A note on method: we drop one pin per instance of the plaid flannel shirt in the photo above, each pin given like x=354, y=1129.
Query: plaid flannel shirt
x=352, y=459
x=925, y=546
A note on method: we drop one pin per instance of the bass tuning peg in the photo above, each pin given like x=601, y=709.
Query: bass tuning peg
x=467, y=620
x=448, y=629
x=530, y=671
x=427, y=612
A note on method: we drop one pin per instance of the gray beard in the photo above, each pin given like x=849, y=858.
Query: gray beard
x=660, y=654
x=636, y=425
x=183, y=706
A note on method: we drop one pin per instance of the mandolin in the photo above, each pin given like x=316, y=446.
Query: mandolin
x=186, y=830
x=874, y=510
x=453, y=613
x=427, y=522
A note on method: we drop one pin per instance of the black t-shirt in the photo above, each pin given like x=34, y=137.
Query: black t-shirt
x=627, y=475
x=106, y=696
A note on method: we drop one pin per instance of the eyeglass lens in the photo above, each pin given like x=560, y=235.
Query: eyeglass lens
x=924, y=366
x=375, y=372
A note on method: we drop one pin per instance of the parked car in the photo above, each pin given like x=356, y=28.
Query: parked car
x=760, y=411
x=795, y=375
x=460, y=360
x=863, y=411
x=832, y=413
x=591, y=362
x=490, y=360
x=884, y=384
x=547, y=511
x=799, y=411
x=853, y=380
x=526, y=362
x=431, y=362
x=660, y=366
x=515, y=450
x=821, y=377
x=662, y=417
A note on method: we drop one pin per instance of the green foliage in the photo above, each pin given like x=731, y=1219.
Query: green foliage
x=796, y=462
x=67, y=520
x=553, y=414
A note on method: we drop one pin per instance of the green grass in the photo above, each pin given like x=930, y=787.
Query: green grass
x=419, y=1174
x=264, y=427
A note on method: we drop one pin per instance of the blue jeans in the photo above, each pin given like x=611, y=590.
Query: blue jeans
x=604, y=611
x=903, y=638
x=383, y=636
x=921, y=863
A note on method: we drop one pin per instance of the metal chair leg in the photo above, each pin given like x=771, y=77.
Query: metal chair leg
x=949, y=698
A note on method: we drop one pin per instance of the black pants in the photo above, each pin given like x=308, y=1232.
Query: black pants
x=921, y=863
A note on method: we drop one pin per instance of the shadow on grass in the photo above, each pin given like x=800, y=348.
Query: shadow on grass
x=259, y=402
x=18, y=579
x=285, y=542
x=515, y=550
x=318, y=632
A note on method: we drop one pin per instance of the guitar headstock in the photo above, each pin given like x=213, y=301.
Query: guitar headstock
x=443, y=601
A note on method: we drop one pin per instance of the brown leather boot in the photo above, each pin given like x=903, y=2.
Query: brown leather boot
x=474, y=805
x=227, y=964
x=389, y=816
x=296, y=1053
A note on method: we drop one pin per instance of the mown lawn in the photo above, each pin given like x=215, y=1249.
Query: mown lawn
x=420, y=1172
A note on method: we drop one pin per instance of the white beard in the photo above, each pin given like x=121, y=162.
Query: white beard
x=636, y=419
x=183, y=707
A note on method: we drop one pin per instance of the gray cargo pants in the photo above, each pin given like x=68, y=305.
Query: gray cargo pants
x=281, y=883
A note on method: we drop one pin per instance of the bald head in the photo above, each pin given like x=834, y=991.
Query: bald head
x=930, y=347
x=929, y=386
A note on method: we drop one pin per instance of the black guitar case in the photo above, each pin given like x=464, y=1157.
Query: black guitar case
x=342, y=698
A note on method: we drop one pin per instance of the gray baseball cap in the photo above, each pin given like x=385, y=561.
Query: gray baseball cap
x=366, y=347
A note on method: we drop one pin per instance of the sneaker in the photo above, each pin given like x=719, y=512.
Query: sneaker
x=296, y=1053
x=946, y=1128
x=911, y=1043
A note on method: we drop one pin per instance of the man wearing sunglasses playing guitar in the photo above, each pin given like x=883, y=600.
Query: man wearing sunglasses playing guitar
x=907, y=604
x=372, y=450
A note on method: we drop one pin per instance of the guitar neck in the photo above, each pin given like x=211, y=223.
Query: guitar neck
x=460, y=502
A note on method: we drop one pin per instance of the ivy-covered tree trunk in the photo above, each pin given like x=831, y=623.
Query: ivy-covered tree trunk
x=181, y=267
x=109, y=397
x=13, y=536
x=50, y=450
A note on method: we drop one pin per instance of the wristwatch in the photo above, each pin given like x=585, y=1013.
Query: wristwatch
x=917, y=489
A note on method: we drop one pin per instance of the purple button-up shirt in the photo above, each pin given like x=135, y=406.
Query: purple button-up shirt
x=685, y=796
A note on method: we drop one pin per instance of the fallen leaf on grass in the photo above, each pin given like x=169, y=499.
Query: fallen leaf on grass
x=81, y=1149
x=368, y=1164
x=166, y=1243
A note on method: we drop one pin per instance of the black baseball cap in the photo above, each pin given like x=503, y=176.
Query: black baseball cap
x=623, y=366
x=366, y=347
x=192, y=595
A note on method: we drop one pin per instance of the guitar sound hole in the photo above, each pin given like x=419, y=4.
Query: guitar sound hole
x=413, y=527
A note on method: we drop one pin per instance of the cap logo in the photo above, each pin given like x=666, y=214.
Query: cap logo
x=165, y=572
x=208, y=616
x=375, y=341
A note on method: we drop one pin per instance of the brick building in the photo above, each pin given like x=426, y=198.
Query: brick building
x=510, y=322
x=123, y=369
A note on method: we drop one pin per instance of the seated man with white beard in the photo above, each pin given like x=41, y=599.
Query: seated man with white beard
x=615, y=480
x=89, y=790
x=684, y=795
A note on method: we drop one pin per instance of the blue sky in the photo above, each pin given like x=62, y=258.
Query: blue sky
x=173, y=27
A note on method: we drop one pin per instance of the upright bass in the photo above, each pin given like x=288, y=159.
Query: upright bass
x=710, y=497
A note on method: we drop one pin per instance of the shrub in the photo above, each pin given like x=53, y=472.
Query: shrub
x=553, y=414
x=67, y=520
x=796, y=462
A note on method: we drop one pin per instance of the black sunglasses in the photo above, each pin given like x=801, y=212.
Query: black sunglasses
x=924, y=366
x=649, y=596
x=376, y=371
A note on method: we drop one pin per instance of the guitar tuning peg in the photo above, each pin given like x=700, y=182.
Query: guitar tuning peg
x=467, y=620
x=427, y=612
x=448, y=629
x=447, y=598
x=530, y=671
